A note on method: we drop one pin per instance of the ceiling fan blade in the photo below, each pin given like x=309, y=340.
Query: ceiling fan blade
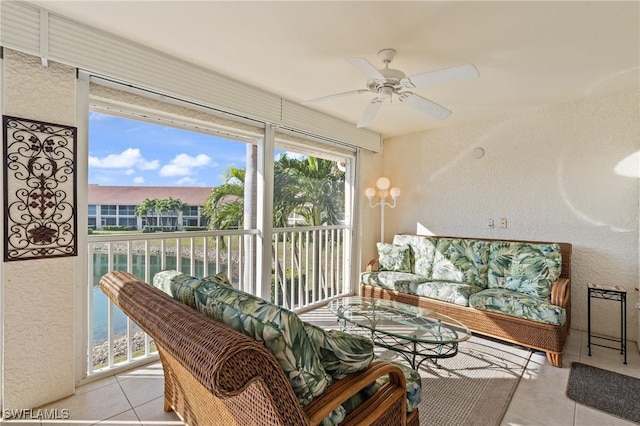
x=424, y=105
x=335, y=95
x=370, y=113
x=366, y=68
x=461, y=72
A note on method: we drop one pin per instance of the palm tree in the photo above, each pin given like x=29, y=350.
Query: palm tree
x=175, y=206
x=315, y=187
x=224, y=206
x=145, y=209
x=311, y=187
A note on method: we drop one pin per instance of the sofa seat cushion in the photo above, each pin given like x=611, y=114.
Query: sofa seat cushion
x=519, y=305
x=278, y=329
x=387, y=279
x=463, y=261
x=340, y=353
x=414, y=389
x=182, y=287
x=447, y=291
x=392, y=257
x=524, y=267
x=423, y=249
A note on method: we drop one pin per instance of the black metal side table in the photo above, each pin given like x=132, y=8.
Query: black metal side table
x=616, y=293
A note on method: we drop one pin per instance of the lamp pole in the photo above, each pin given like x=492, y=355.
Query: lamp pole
x=383, y=185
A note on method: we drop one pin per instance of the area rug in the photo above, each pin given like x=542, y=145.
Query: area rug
x=605, y=390
x=472, y=388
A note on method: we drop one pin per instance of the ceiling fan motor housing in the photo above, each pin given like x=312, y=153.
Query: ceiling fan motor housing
x=391, y=83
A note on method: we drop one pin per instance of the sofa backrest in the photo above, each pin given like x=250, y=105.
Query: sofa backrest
x=475, y=261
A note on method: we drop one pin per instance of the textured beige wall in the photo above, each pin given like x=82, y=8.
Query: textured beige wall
x=550, y=172
x=38, y=301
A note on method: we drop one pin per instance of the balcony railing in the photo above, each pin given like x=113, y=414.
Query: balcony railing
x=308, y=269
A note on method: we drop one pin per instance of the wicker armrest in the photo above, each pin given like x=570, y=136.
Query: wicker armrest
x=372, y=266
x=560, y=292
x=345, y=388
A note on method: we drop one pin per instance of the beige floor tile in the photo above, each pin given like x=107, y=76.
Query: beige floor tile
x=128, y=418
x=511, y=419
x=537, y=401
x=91, y=407
x=153, y=412
x=95, y=385
x=142, y=389
x=586, y=416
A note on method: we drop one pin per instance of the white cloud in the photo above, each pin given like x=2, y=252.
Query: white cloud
x=183, y=165
x=148, y=165
x=138, y=179
x=127, y=159
x=129, y=171
x=187, y=181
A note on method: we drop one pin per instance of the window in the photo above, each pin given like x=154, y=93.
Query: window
x=108, y=210
x=92, y=209
x=127, y=210
x=127, y=221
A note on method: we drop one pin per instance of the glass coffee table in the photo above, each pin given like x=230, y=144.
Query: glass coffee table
x=415, y=333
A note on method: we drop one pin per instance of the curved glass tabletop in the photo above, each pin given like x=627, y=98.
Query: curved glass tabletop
x=400, y=320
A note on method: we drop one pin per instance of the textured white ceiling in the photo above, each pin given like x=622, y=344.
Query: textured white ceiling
x=529, y=54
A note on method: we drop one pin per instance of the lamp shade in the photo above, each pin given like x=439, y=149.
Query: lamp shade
x=370, y=193
x=395, y=192
x=383, y=183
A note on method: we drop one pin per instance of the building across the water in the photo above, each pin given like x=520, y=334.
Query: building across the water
x=116, y=205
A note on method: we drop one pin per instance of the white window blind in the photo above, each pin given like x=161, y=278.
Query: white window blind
x=36, y=31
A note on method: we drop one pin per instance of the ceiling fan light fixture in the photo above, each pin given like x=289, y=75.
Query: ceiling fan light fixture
x=386, y=82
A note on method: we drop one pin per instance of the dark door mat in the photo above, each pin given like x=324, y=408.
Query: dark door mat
x=605, y=390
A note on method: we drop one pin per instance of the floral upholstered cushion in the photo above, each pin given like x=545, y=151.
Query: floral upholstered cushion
x=519, y=305
x=340, y=353
x=423, y=249
x=452, y=292
x=220, y=278
x=388, y=279
x=414, y=389
x=278, y=329
x=393, y=257
x=182, y=286
x=524, y=267
x=463, y=261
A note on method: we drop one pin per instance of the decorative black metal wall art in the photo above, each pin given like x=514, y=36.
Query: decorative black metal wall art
x=39, y=189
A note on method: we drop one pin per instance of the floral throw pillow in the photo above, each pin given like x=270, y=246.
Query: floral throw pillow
x=393, y=257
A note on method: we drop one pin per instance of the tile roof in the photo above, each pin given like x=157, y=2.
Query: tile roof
x=131, y=195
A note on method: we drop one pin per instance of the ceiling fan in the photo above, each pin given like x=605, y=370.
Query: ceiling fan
x=386, y=82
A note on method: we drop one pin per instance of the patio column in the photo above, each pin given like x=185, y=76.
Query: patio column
x=37, y=295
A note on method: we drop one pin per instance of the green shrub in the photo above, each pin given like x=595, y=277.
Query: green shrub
x=148, y=229
x=118, y=228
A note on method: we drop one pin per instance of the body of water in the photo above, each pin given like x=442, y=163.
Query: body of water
x=101, y=301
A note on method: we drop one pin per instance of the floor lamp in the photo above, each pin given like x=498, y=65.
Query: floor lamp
x=383, y=185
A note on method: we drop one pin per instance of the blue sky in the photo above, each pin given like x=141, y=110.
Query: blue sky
x=124, y=151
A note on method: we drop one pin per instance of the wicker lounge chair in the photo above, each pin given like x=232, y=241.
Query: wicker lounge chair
x=217, y=376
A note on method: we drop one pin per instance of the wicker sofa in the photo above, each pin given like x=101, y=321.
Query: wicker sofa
x=516, y=291
x=215, y=375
